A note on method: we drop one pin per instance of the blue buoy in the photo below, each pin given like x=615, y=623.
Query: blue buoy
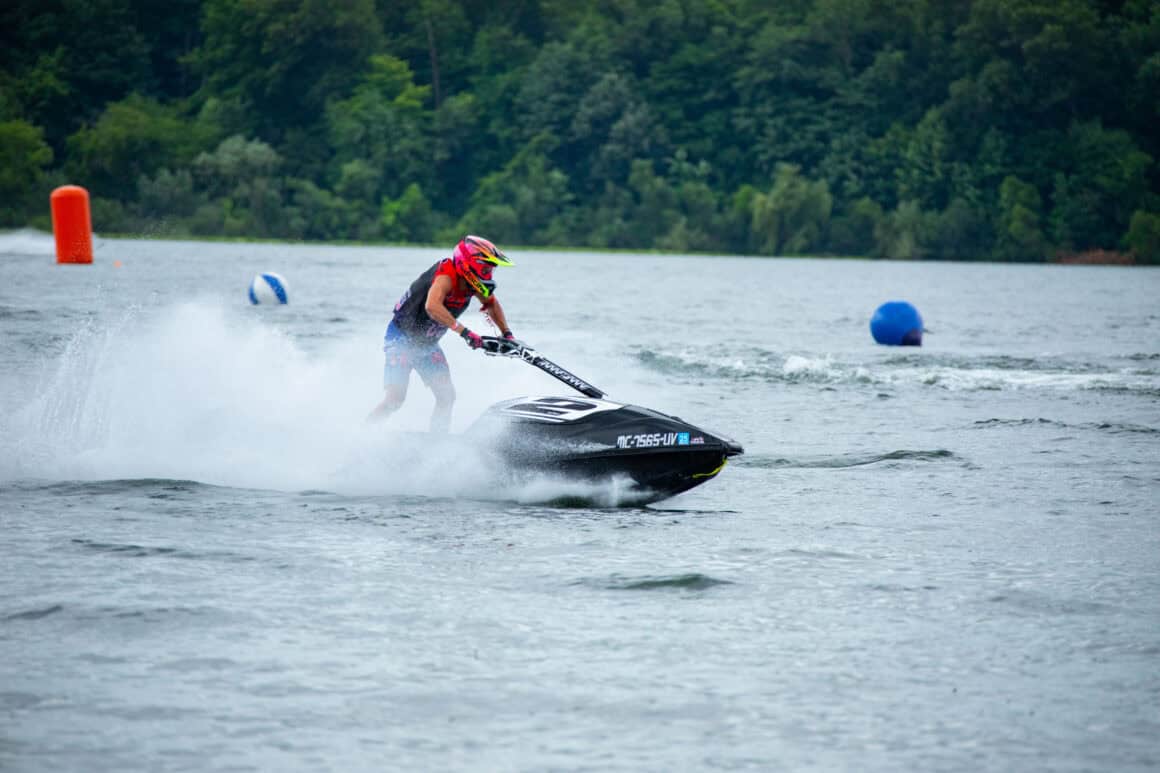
x=897, y=323
x=268, y=287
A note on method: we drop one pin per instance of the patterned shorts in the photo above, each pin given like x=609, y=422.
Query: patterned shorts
x=401, y=356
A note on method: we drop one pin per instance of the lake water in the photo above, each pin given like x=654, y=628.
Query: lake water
x=944, y=558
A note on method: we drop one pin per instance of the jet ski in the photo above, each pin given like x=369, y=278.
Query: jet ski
x=595, y=439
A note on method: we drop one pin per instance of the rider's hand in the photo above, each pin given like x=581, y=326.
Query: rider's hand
x=508, y=335
x=473, y=339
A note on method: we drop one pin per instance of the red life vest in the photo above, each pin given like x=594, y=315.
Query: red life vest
x=411, y=310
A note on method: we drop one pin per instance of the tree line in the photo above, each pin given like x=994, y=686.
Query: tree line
x=1019, y=130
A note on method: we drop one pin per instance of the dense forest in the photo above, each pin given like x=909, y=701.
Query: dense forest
x=941, y=129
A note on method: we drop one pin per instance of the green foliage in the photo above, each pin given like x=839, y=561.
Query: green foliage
x=613, y=127
x=111, y=216
x=38, y=90
x=655, y=203
x=1019, y=234
x=23, y=158
x=434, y=36
x=852, y=231
x=924, y=171
x=284, y=59
x=167, y=195
x=1143, y=237
x=315, y=213
x=133, y=137
x=1104, y=180
x=552, y=87
x=384, y=125
x=902, y=234
x=793, y=216
x=408, y=218
x=960, y=232
x=970, y=129
x=1034, y=59
x=235, y=162
x=526, y=200
x=70, y=58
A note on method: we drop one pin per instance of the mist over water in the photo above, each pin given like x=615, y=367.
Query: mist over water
x=210, y=390
x=187, y=393
x=928, y=559
x=198, y=391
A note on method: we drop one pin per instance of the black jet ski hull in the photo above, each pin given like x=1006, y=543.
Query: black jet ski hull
x=599, y=440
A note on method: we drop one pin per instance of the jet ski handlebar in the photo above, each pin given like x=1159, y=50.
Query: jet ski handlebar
x=504, y=347
x=510, y=347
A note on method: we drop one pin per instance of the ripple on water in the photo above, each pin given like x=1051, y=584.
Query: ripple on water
x=12, y=700
x=800, y=553
x=74, y=612
x=34, y=614
x=131, y=550
x=125, y=550
x=849, y=460
x=694, y=581
x=1113, y=428
x=185, y=665
x=11, y=312
x=885, y=587
x=1035, y=603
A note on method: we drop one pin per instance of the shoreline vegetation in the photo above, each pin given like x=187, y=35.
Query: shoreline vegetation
x=998, y=130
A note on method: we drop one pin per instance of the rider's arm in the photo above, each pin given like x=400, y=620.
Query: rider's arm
x=493, y=309
x=435, y=308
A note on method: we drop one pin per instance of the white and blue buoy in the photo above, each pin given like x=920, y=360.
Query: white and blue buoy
x=897, y=323
x=268, y=287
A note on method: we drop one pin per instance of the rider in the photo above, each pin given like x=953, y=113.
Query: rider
x=427, y=310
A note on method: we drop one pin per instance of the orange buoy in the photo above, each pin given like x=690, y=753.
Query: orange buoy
x=72, y=224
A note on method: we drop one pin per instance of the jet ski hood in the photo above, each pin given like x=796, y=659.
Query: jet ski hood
x=593, y=438
x=589, y=425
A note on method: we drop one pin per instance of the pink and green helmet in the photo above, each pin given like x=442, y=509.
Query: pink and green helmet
x=475, y=258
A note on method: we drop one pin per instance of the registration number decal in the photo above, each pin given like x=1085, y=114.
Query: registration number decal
x=653, y=440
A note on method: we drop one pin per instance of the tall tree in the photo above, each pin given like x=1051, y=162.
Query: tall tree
x=283, y=60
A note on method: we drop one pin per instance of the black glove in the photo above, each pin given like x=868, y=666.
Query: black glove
x=473, y=339
x=508, y=335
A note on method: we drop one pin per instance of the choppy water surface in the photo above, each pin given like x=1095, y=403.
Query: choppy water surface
x=935, y=559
